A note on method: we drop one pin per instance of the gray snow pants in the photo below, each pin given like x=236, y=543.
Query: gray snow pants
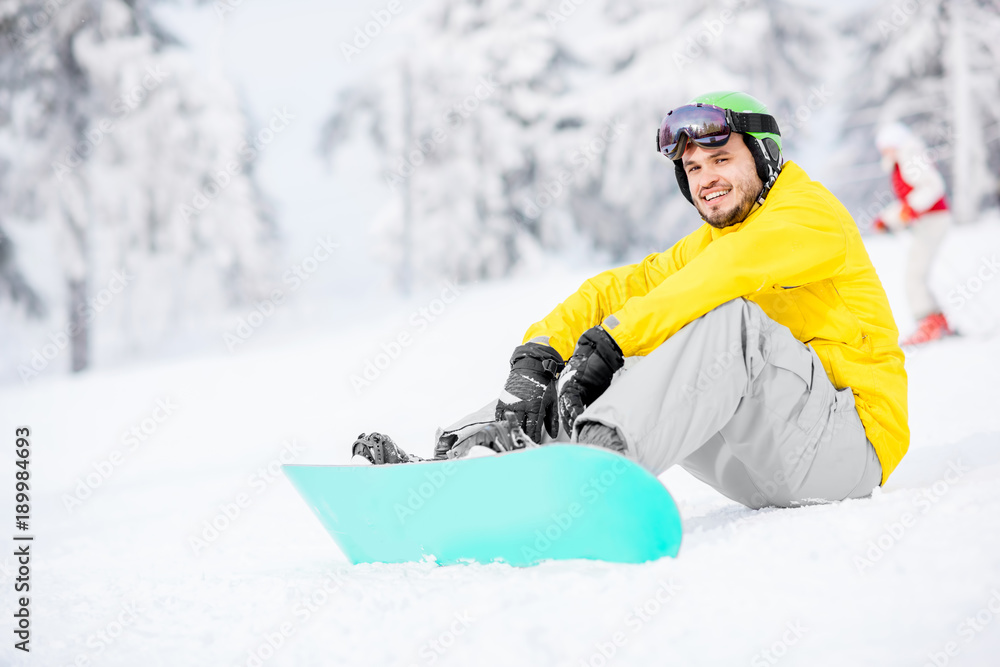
x=742, y=405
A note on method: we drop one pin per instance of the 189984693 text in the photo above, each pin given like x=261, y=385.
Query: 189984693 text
x=22, y=542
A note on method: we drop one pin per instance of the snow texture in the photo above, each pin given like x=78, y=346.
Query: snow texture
x=133, y=574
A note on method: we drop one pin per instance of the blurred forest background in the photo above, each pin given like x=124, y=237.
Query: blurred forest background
x=172, y=174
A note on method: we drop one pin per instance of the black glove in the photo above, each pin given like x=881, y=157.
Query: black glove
x=588, y=374
x=530, y=391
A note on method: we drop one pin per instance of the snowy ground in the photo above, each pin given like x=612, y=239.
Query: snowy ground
x=119, y=577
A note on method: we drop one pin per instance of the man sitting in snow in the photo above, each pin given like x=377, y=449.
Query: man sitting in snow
x=762, y=353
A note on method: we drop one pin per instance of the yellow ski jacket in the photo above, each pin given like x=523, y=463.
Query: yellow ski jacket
x=800, y=257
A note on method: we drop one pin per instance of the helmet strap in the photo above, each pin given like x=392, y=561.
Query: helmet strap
x=767, y=159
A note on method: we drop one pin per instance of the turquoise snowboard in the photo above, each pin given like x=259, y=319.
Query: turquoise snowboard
x=523, y=507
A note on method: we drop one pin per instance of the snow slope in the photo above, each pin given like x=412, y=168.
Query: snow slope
x=119, y=578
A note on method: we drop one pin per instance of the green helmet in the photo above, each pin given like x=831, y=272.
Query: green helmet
x=764, y=146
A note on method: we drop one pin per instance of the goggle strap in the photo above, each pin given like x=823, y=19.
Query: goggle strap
x=754, y=122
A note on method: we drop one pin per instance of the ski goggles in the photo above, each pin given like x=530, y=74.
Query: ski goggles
x=707, y=126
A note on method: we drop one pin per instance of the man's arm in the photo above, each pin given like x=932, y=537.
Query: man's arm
x=607, y=293
x=786, y=246
x=529, y=394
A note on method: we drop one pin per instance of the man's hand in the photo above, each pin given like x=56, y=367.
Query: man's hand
x=530, y=391
x=588, y=374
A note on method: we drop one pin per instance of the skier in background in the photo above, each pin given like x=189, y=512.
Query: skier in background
x=759, y=352
x=920, y=206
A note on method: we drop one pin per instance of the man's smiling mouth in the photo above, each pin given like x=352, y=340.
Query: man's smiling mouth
x=716, y=195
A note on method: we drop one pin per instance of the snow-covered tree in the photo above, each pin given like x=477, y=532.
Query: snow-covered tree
x=13, y=285
x=518, y=126
x=134, y=163
x=932, y=65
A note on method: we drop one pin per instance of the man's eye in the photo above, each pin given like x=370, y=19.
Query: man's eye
x=692, y=169
x=720, y=160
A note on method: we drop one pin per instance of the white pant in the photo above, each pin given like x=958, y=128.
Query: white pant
x=928, y=233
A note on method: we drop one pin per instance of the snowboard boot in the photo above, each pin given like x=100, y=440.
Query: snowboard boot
x=379, y=449
x=500, y=437
x=595, y=433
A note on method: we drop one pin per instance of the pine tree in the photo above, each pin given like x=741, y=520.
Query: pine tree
x=13, y=285
x=133, y=162
x=932, y=66
x=532, y=130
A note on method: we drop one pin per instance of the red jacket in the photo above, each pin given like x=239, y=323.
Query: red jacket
x=903, y=190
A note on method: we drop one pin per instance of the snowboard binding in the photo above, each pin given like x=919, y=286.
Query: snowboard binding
x=379, y=449
x=501, y=437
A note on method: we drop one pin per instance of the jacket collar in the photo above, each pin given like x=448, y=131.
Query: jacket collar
x=791, y=174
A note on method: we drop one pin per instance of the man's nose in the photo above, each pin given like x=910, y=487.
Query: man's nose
x=709, y=177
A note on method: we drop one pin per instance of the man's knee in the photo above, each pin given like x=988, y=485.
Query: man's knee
x=739, y=305
x=742, y=312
